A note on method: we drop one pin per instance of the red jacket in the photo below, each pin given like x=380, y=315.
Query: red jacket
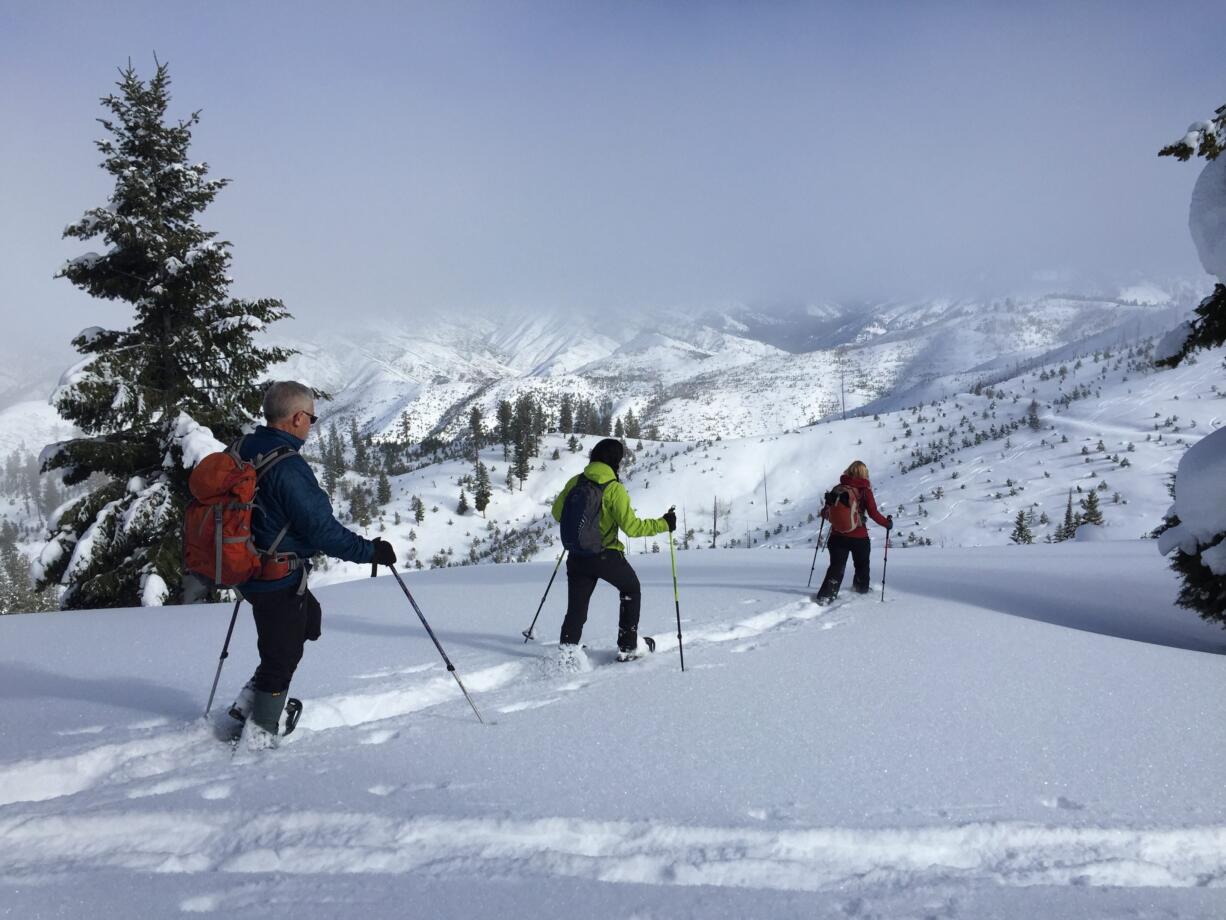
x=867, y=503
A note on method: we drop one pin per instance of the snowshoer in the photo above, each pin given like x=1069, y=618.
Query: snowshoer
x=293, y=521
x=592, y=508
x=844, y=510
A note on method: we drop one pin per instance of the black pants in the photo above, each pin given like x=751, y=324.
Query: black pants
x=284, y=620
x=582, y=573
x=840, y=547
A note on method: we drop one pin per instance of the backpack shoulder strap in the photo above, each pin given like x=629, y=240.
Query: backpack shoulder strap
x=264, y=462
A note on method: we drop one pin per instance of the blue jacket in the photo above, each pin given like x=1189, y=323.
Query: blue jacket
x=289, y=492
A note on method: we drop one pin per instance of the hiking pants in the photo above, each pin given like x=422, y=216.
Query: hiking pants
x=284, y=620
x=840, y=547
x=582, y=573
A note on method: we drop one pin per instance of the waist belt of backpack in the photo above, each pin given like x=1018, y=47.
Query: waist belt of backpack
x=275, y=566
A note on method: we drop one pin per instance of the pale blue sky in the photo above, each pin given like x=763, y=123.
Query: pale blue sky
x=388, y=156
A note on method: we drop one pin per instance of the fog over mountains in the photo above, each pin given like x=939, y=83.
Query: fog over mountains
x=734, y=371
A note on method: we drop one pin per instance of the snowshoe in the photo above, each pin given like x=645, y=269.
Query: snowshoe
x=255, y=737
x=646, y=645
x=241, y=707
x=293, y=712
x=572, y=659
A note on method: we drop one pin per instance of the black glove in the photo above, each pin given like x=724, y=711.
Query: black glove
x=889, y=522
x=670, y=518
x=384, y=554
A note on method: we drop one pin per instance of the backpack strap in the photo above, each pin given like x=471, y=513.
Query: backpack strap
x=264, y=462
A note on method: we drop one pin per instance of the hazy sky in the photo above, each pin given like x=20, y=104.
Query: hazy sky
x=606, y=154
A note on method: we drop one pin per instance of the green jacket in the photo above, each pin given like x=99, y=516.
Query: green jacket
x=615, y=510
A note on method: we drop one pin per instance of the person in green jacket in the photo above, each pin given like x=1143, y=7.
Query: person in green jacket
x=585, y=564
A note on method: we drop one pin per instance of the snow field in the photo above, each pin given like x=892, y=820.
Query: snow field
x=990, y=740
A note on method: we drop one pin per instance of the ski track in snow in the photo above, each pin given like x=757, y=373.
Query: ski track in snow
x=146, y=758
x=810, y=859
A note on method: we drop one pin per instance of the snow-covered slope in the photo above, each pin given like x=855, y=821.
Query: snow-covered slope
x=1017, y=732
x=961, y=492
x=704, y=373
x=31, y=425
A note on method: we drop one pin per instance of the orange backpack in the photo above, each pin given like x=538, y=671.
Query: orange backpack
x=217, y=540
x=843, y=509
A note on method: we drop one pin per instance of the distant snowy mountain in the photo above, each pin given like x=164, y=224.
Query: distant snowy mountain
x=733, y=372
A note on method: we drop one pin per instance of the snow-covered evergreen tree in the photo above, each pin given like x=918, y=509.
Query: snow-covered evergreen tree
x=1089, y=504
x=1196, y=523
x=151, y=397
x=1021, y=529
x=481, y=490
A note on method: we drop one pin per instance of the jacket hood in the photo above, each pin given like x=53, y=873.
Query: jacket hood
x=599, y=473
x=855, y=482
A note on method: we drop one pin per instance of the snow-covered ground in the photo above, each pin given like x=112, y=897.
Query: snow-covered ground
x=1027, y=731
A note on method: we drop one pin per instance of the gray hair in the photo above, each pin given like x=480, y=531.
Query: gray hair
x=285, y=397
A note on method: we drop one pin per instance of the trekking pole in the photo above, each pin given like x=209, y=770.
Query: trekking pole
x=884, y=562
x=817, y=549
x=672, y=552
x=225, y=653
x=446, y=660
x=527, y=633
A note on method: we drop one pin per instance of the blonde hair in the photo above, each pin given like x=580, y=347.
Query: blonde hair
x=857, y=469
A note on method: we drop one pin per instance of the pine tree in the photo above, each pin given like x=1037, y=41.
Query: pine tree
x=633, y=429
x=505, y=419
x=188, y=360
x=1068, y=527
x=1021, y=530
x=522, y=462
x=481, y=490
x=475, y=432
x=419, y=509
x=383, y=490
x=462, y=506
x=1089, y=504
x=566, y=415
x=1032, y=415
x=1203, y=589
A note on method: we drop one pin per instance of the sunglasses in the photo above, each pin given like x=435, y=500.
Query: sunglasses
x=313, y=418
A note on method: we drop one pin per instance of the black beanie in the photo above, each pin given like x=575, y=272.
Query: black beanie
x=608, y=451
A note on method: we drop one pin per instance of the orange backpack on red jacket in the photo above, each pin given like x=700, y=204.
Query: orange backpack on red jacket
x=217, y=540
x=843, y=509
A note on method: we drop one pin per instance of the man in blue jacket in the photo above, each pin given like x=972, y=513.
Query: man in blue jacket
x=292, y=522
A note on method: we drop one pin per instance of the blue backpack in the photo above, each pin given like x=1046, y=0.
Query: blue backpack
x=581, y=518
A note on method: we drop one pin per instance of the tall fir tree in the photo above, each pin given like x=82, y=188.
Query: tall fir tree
x=521, y=462
x=475, y=432
x=1204, y=139
x=566, y=415
x=1021, y=529
x=482, y=493
x=141, y=394
x=462, y=505
x=1068, y=527
x=383, y=489
x=505, y=433
x=1089, y=504
x=1196, y=556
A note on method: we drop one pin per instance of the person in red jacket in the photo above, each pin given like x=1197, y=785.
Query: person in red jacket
x=849, y=532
